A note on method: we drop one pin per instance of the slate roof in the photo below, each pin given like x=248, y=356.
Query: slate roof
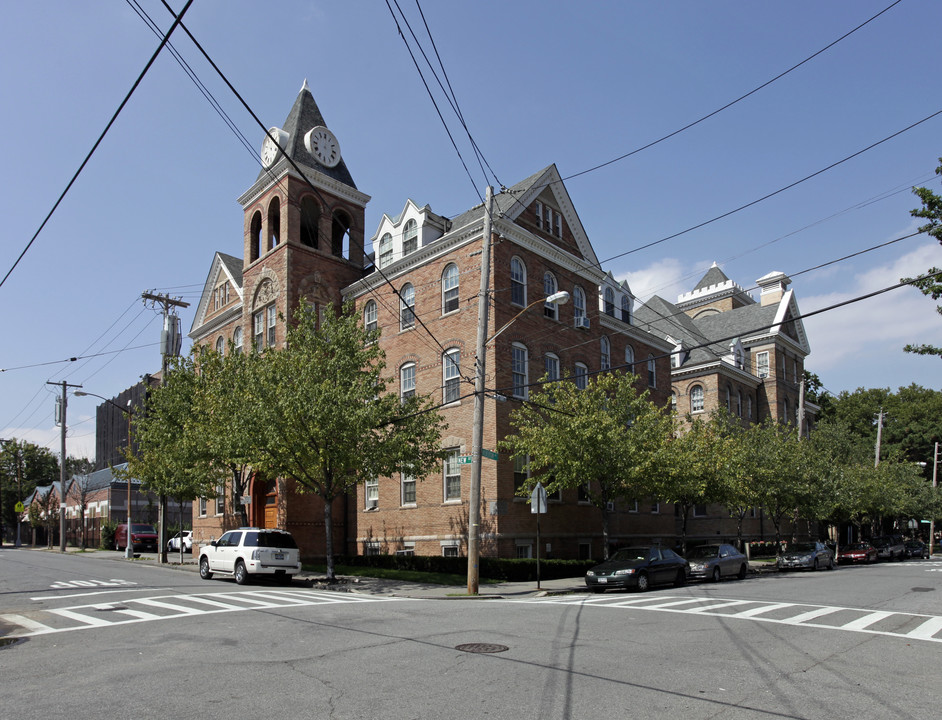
x=303, y=116
x=714, y=276
x=503, y=202
x=663, y=318
x=233, y=266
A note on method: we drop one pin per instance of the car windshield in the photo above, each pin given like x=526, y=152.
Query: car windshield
x=705, y=551
x=856, y=546
x=269, y=540
x=630, y=554
x=143, y=528
x=801, y=547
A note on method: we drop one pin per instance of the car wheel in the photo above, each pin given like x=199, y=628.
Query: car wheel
x=741, y=575
x=681, y=579
x=716, y=575
x=204, y=569
x=643, y=582
x=241, y=576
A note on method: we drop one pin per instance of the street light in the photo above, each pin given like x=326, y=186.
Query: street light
x=129, y=542
x=477, y=439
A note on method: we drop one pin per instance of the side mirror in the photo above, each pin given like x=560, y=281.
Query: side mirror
x=213, y=543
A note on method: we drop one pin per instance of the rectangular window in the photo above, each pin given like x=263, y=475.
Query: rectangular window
x=258, y=329
x=452, y=475
x=539, y=214
x=583, y=493
x=525, y=552
x=559, y=225
x=449, y=551
x=407, y=381
x=371, y=548
x=655, y=508
x=220, y=500
x=452, y=376
x=408, y=489
x=551, y=366
x=521, y=473
x=272, y=318
x=699, y=510
x=762, y=364
x=372, y=492
x=519, y=371
x=408, y=548
x=202, y=507
x=633, y=506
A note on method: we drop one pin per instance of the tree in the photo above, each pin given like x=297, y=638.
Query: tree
x=172, y=458
x=321, y=415
x=930, y=284
x=36, y=465
x=607, y=439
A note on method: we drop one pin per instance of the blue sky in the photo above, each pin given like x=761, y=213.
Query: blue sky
x=576, y=84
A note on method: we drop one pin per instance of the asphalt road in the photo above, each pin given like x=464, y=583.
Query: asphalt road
x=116, y=639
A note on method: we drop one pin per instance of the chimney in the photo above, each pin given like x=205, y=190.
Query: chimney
x=772, y=287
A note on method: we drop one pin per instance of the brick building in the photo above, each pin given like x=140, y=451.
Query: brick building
x=304, y=239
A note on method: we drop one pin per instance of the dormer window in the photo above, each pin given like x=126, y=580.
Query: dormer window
x=609, y=302
x=539, y=214
x=626, y=308
x=410, y=238
x=385, y=250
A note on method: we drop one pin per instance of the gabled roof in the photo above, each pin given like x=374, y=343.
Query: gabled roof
x=99, y=479
x=304, y=116
x=714, y=276
x=664, y=319
x=231, y=268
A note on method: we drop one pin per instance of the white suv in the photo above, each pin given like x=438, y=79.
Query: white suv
x=251, y=551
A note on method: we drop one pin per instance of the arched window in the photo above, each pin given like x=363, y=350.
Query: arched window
x=549, y=288
x=581, y=375
x=340, y=234
x=696, y=398
x=626, y=308
x=407, y=380
x=551, y=366
x=606, y=353
x=310, y=219
x=385, y=250
x=518, y=282
x=629, y=358
x=609, y=302
x=237, y=340
x=652, y=372
x=729, y=398
x=451, y=375
x=255, y=239
x=738, y=403
x=407, y=307
x=274, y=224
x=519, y=372
x=450, y=289
x=410, y=238
x=578, y=307
x=369, y=316
x=221, y=345
x=749, y=407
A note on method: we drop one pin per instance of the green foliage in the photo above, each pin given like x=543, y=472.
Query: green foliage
x=37, y=467
x=930, y=284
x=108, y=529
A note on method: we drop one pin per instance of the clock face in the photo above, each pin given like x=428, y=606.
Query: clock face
x=323, y=145
x=269, y=147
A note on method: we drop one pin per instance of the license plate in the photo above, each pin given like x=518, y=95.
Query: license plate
x=603, y=580
x=279, y=556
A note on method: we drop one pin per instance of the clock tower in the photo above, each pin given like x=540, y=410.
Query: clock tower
x=303, y=224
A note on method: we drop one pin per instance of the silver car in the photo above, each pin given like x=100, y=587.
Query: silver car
x=713, y=562
x=810, y=555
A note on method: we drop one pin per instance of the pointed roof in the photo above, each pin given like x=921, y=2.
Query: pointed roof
x=714, y=276
x=304, y=116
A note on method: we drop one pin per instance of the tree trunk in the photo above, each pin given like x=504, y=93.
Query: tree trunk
x=238, y=489
x=604, y=510
x=329, y=539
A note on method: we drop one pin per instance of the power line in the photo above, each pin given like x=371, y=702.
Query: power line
x=101, y=137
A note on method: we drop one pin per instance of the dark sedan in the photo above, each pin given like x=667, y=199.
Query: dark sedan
x=916, y=549
x=638, y=567
x=861, y=552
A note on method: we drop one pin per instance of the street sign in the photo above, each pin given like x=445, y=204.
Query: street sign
x=19, y=507
x=490, y=454
x=464, y=459
x=538, y=500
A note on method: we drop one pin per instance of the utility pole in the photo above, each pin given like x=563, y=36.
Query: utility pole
x=935, y=484
x=477, y=433
x=63, y=405
x=801, y=408
x=876, y=461
x=170, y=342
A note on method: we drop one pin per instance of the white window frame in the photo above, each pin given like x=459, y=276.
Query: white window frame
x=697, y=399
x=406, y=483
x=539, y=214
x=581, y=375
x=220, y=500
x=652, y=372
x=550, y=286
x=579, y=307
x=371, y=492
x=385, y=250
x=521, y=473
x=629, y=358
x=370, y=316
x=450, y=289
x=258, y=330
x=407, y=380
x=558, y=225
x=518, y=282
x=271, y=313
x=449, y=548
x=551, y=366
x=451, y=375
x=608, y=301
x=221, y=345
x=451, y=476
x=605, y=353
x=410, y=238
x=407, y=307
x=626, y=308
x=202, y=507
x=237, y=339
x=519, y=370
x=762, y=364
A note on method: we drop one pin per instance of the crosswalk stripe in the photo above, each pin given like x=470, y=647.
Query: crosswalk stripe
x=183, y=610
x=718, y=605
x=87, y=619
x=927, y=630
x=867, y=620
x=752, y=612
x=35, y=628
x=810, y=615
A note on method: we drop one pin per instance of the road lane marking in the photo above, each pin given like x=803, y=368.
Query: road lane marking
x=925, y=631
x=867, y=620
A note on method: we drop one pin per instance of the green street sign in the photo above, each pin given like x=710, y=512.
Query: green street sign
x=490, y=454
x=464, y=459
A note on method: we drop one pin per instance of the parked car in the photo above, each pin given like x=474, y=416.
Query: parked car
x=252, y=551
x=916, y=548
x=717, y=561
x=862, y=552
x=638, y=567
x=889, y=547
x=812, y=555
x=143, y=537
x=173, y=544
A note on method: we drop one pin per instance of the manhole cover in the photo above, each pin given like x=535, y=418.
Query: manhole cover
x=481, y=648
x=923, y=589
